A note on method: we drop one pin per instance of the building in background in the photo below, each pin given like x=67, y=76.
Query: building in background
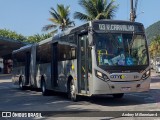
x=7, y=66
x=7, y=46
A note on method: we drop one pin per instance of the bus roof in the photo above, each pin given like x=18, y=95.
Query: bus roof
x=87, y=24
x=45, y=41
x=117, y=21
x=65, y=43
x=81, y=28
x=23, y=48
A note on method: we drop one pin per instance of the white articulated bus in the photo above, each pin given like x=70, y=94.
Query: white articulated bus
x=99, y=57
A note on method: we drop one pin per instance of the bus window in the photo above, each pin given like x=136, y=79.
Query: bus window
x=44, y=53
x=66, y=52
x=19, y=59
x=121, y=50
x=73, y=52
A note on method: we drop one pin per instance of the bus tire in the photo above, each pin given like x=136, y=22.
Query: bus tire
x=21, y=87
x=43, y=88
x=118, y=96
x=72, y=91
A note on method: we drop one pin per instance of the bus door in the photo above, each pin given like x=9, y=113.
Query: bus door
x=27, y=67
x=82, y=64
x=33, y=81
x=54, y=65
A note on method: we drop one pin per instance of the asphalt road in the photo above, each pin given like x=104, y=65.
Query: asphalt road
x=13, y=99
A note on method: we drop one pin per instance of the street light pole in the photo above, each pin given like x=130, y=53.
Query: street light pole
x=133, y=10
x=132, y=19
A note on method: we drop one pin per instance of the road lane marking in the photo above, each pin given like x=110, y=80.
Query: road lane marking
x=55, y=102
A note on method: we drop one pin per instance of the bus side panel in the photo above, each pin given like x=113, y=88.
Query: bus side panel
x=66, y=56
x=42, y=64
x=38, y=76
x=73, y=73
x=16, y=73
x=62, y=76
x=45, y=71
x=65, y=69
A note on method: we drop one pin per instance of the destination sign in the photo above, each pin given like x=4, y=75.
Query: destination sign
x=116, y=27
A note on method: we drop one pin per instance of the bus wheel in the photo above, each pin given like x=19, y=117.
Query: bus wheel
x=21, y=84
x=43, y=88
x=72, y=91
x=120, y=95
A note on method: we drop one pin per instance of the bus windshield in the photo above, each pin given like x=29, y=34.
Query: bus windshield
x=121, y=49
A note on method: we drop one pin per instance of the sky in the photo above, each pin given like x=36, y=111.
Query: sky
x=27, y=17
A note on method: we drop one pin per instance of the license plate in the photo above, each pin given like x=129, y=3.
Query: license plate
x=126, y=89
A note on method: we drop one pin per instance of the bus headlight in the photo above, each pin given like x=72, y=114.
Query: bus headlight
x=146, y=75
x=101, y=76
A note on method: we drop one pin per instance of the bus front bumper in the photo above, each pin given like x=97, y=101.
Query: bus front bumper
x=122, y=87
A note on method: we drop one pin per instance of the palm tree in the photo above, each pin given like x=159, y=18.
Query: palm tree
x=60, y=19
x=96, y=9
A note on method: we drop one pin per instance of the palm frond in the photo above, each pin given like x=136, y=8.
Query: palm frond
x=96, y=9
x=54, y=13
x=89, y=7
x=71, y=23
x=60, y=18
x=49, y=27
x=100, y=5
x=81, y=16
x=55, y=21
x=110, y=10
x=63, y=11
x=54, y=31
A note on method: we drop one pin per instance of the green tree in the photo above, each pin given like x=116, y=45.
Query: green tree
x=96, y=9
x=4, y=33
x=60, y=19
x=37, y=38
x=11, y=35
x=154, y=47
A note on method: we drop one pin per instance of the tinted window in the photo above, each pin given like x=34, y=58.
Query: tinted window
x=66, y=52
x=43, y=53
